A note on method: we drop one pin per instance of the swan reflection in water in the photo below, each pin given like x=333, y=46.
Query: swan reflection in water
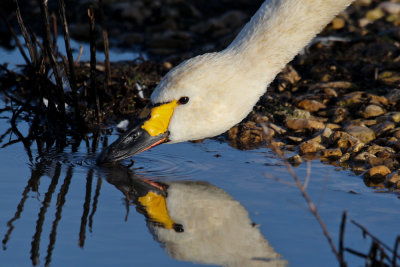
x=197, y=221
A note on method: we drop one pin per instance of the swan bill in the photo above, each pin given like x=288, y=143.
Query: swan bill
x=142, y=136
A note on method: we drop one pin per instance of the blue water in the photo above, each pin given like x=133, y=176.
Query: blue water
x=111, y=240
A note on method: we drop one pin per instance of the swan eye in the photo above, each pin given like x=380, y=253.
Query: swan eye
x=183, y=100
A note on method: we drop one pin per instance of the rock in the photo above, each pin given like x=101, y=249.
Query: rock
x=311, y=105
x=338, y=23
x=372, y=111
x=331, y=153
x=382, y=127
x=295, y=139
x=352, y=98
x=364, y=134
x=357, y=147
x=390, y=77
x=309, y=147
x=295, y=160
x=396, y=134
x=304, y=124
x=326, y=133
x=374, y=14
x=333, y=126
x=340, y=114
x=378, y=171
x=276, y=128
x=391, y=116
x=377, y=100
x=363, y=156
x=344, y=140
x=374, y=149
x=393, y=96
x=390, y=7
x=393, y=178
x=375, y=161
x=344, y=158
x=301, y=114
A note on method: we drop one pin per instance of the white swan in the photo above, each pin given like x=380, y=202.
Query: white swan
x=208, y=94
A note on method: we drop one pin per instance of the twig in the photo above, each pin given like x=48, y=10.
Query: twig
x=106, y=45
x=396, y=246
x=79, y=55
x=51, y=57
x=279, y=152
x=25, y=33
x=72, y=80
x=366, y=232
x=341, y=237
x=55, y=32
x=93, y=62
x=14, y=35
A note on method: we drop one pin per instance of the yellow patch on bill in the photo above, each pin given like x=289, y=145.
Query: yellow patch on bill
x=160, y=117
x=156, y=208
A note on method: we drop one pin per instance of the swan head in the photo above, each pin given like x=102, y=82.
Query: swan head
x=200, y=98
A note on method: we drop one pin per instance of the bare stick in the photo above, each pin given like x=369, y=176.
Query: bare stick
x=50, y=55
x=79, y=55
x=72, y=80
x=396, y=246
x=342, y=227
x=14, y=35
x=106, y=46
x=365, y=231
x=279, y=152
x=55, y=32
x=93, y=62
x=25, y=33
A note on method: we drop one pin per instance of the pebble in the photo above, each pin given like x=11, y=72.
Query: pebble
x=372, y=111
x=382, y=127
x=295, y=160
x=364, y=134
x=363, y=156
x=304, y=124
x=309, y=147
x=378, y=171
x=391, y=116
x=393, y=178
x=390, y=7
x=331, y=153
x=393, y=96
x=374, y=14
x=344, y=140
x=338, y=23
x=311, y=105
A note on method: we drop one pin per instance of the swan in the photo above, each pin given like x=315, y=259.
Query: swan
x=208, y=94
x=197, y=221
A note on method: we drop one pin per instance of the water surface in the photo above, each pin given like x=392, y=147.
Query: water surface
x=61, y=209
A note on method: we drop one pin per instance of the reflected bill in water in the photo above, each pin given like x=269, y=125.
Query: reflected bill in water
x=193, y=221
x=197, y=221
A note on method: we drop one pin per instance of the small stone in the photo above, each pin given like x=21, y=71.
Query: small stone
x=357, y=147
x=301, y=114
x=374, y=14
x=391, y=116
x=333, y=126
x=326, y=133
x=390, y=7
x=295, y=139
x=378, y=171
x=344, y=140
x=393, y=178
x=276, y=128
x=344, y=158
x=375, y=161
x=363, y=156
x=311, y=105
x=331, y=153
x=338, y=23
x=364, y=134
x=372, y=111
x=352, y=98
x=390, y=77
x=295, y=160
x=340, y=114
x=374, y=149
x=304, y=124
x=383, y=127
x=393, y=96
x=396, y=134
x=306, y=148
